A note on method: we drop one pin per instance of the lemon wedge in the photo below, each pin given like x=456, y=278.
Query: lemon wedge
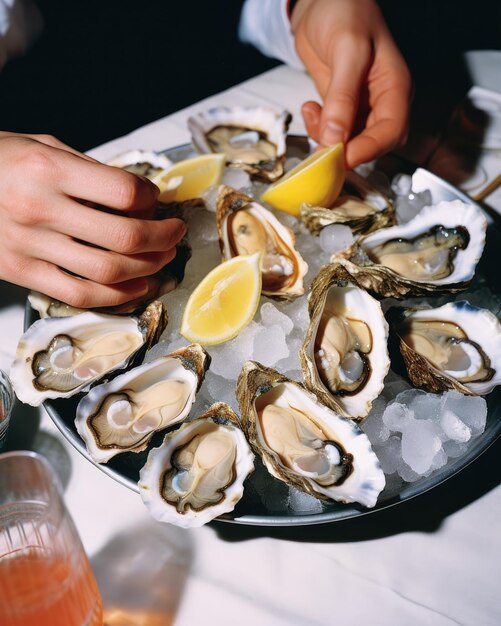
x=187, y=179
x=224, y=302
x=317, y=180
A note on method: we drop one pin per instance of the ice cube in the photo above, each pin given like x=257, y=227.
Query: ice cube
x=453, y=427
x=335, y=237
x=406, y=473
x=227, y=358
x=236, y=178
x=270, y=315
x=303, y=503
x=454, y=449
x=425, y=405
x=420, y=444
x=389, y=454
x=201, y=226
x=397, y=416
x=209, y=196
x=471, y=410
x=439, y=461
x=270, y=345
x=373, y=425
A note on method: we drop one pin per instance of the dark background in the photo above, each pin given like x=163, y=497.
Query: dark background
x=104, y=67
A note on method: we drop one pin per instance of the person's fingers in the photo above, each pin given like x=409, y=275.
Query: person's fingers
x=98, y=265
x=351, y=58
x=388, y=122
x=79, y=292
x=311, y=112
x=49, y=140
x=122, y=234
x=87, y=179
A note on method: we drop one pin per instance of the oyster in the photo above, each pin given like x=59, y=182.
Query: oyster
x=360, y=206
x=246, y=227
x=253, y=138
x=50, y=307
x=198, y=472
x=122, y=415
x=142, y=162
x=455, y=346
x=304, y=443
x=436, y=252
x=344, y=356
x=60, y=356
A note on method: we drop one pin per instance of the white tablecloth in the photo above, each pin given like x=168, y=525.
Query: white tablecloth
x=434, y=560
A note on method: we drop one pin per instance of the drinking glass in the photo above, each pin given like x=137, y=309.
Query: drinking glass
x=45, y=575
x=6, y=404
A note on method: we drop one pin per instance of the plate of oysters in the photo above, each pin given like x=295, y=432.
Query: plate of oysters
x=367, y=375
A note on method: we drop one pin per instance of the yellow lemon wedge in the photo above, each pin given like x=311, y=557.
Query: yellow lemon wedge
x=187, y=179
x=224, y=302
x=317, y=180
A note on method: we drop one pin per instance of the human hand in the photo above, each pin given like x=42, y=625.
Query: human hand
x=360, y=74
x=51, y=242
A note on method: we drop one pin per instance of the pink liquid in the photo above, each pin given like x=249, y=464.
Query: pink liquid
x=40, y=590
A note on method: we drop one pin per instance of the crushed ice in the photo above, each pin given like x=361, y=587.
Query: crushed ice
x=412, y=432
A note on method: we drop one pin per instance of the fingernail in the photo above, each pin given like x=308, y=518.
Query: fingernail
x=333, y=133
x=142, y=286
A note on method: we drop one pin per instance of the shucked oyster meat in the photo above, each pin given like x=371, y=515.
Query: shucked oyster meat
x=246, y=227
x=199, y=470
x=455, y=346
x=304, y=443
x=344, y=356
x=253, y=138
x=60, y=356
x=123, y=414
x=436, y=252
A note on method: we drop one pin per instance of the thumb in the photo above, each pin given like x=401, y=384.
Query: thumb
x=349, y=71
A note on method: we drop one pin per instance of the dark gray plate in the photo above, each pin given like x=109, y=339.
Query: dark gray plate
x=251, y=509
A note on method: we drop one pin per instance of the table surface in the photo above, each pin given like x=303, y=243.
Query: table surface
x=434, y=560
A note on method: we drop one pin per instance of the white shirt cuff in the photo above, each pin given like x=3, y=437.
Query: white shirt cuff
x=265, y=24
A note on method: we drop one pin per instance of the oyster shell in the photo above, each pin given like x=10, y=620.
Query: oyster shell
x=198, y=472
x=122, y=415
x=141, y=162
x=246, y=227
x=60, y=356
x=253, y=138
x=360, y=206
x=344, y=356
x=436, y=252
x=304, y=443
x=455, y=346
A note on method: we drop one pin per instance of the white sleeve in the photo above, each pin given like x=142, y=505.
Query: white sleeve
x=265, y=24
x=20, y=24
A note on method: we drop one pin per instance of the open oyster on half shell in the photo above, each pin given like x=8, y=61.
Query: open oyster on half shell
x=122, y=415
x=304, y=443
x=199, y=470
x=360, y=206
x=142, y=162
x=455, y=346
x=246, y=227
x=59, y=356
x=253, y=138
x=344, y=356
x=436, y=252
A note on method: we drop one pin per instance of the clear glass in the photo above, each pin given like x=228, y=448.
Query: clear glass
x=6, y=404
x=45, y=576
